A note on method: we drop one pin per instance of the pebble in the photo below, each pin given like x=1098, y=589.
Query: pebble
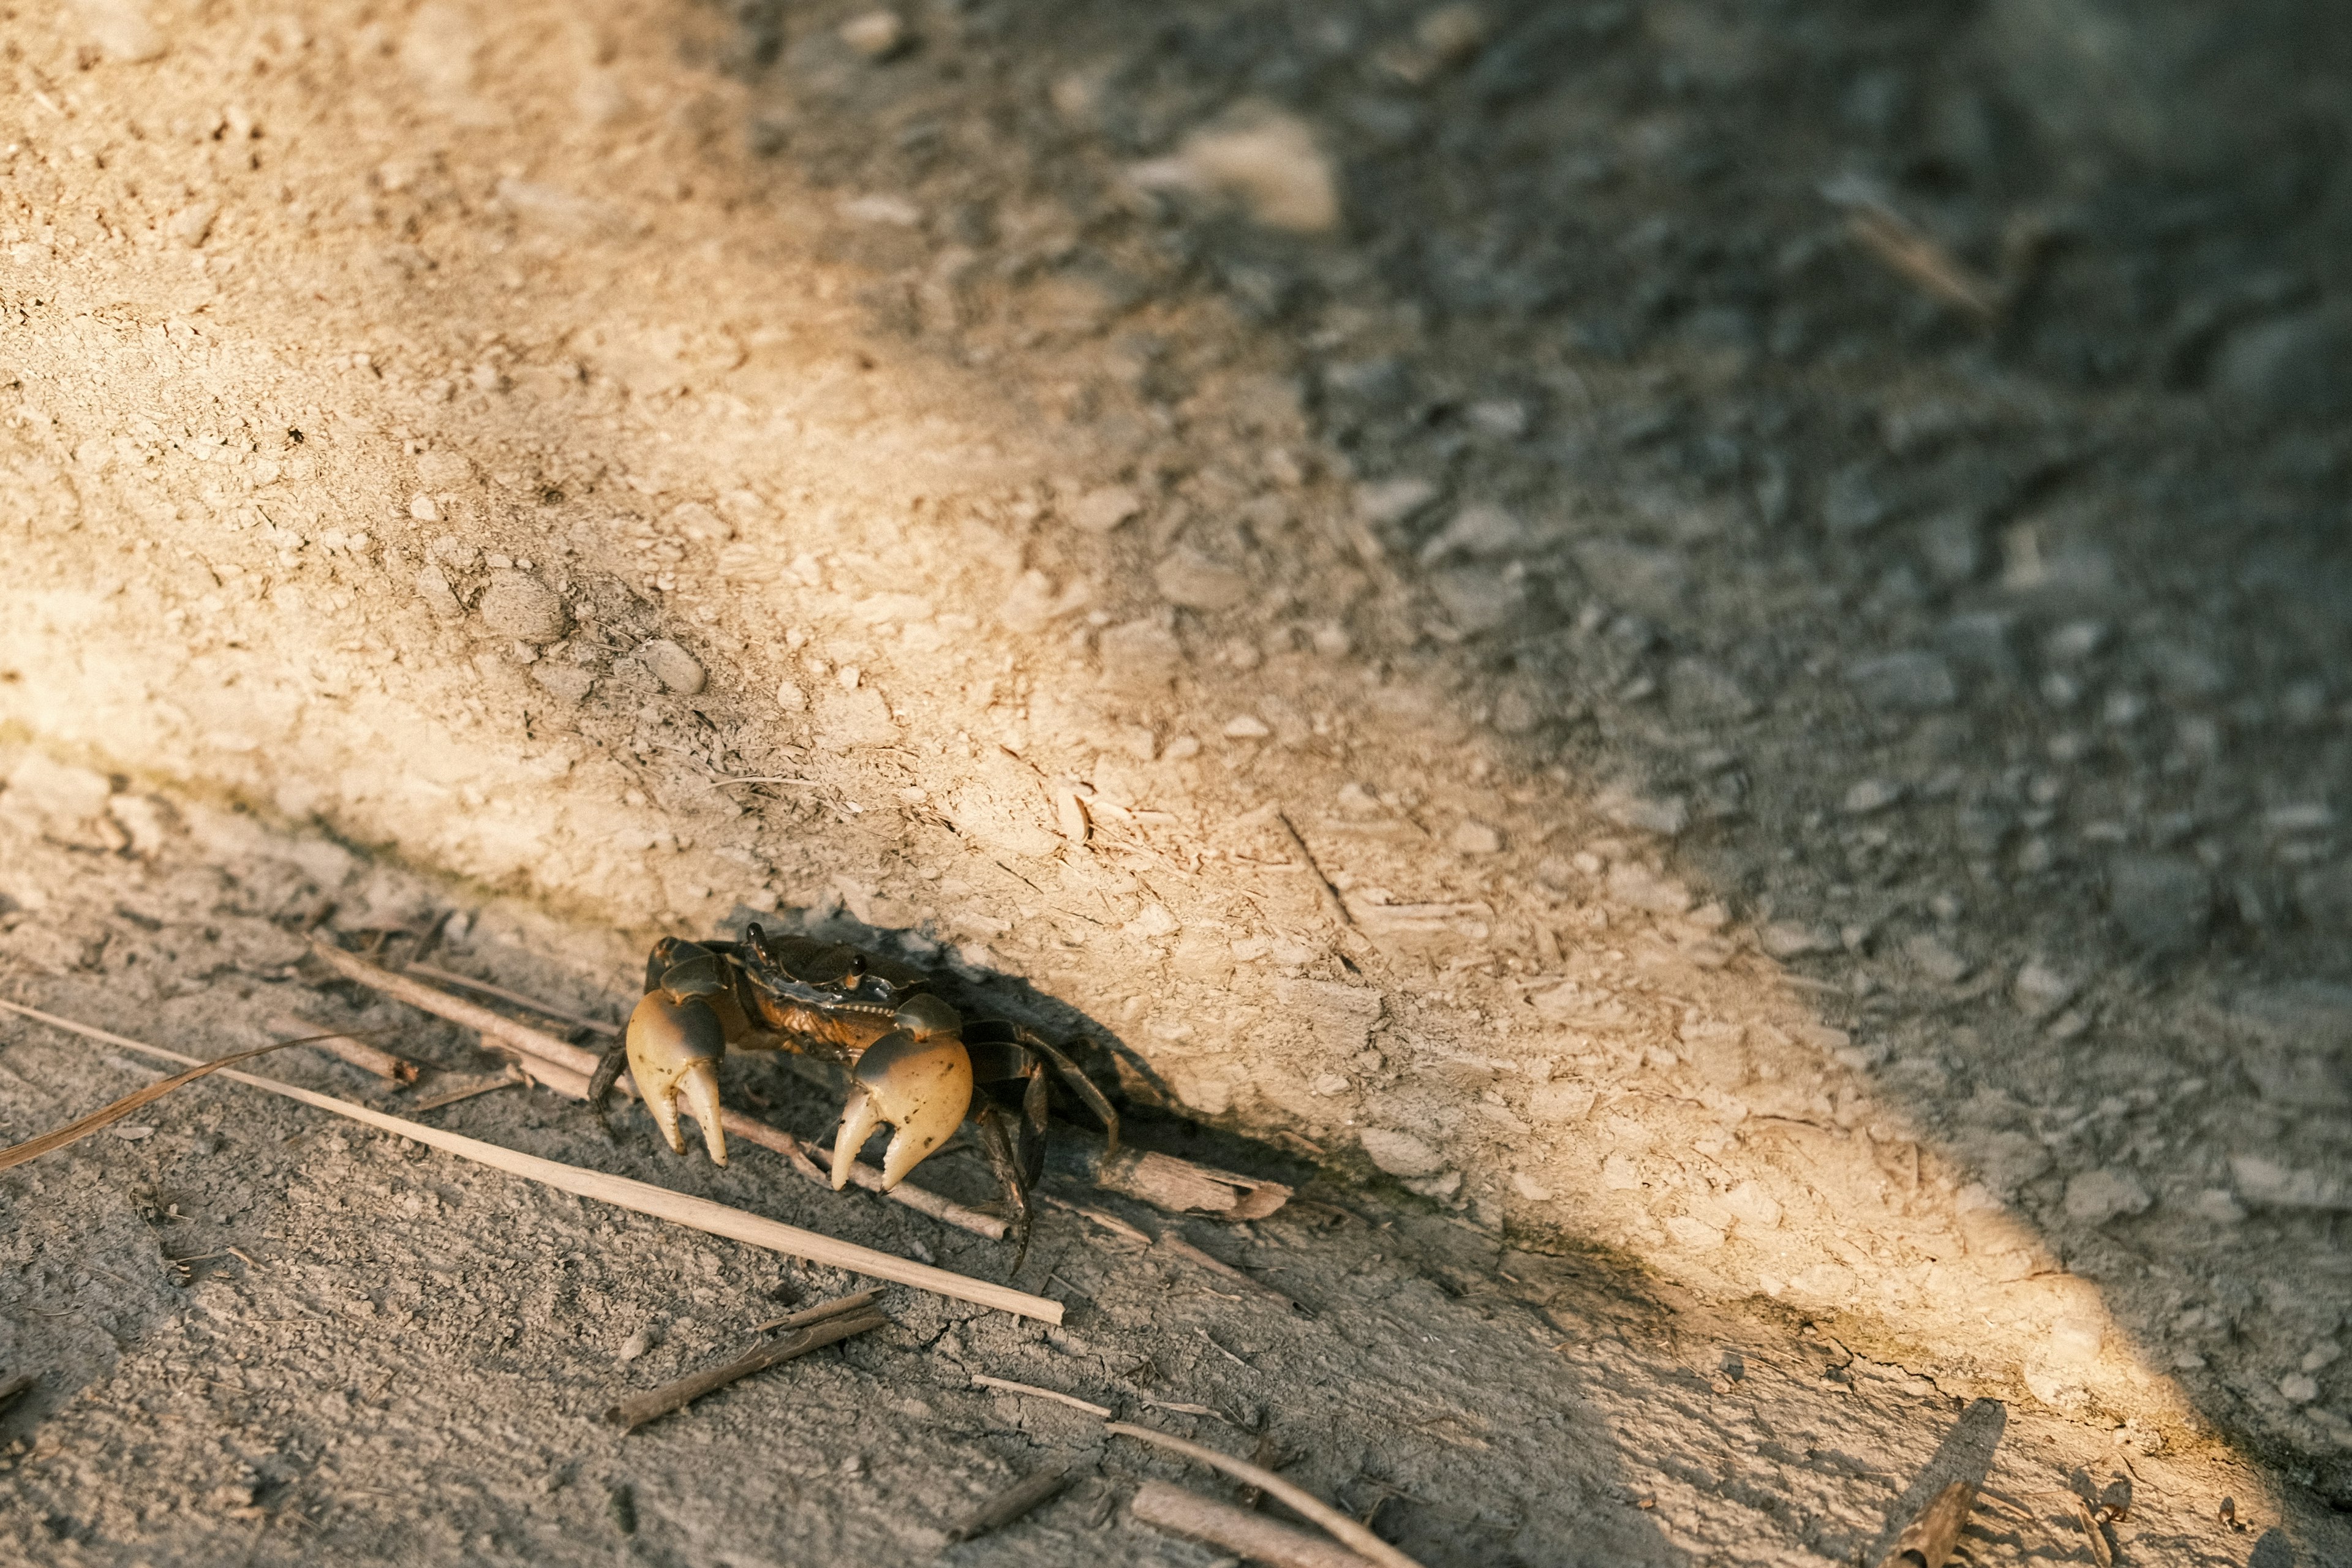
x=1191, y=580
x=1911, y=681
x=1384, y=503
x=2094, y=1197
x=1246, y=727
x=1635, y=884
x=1139, y=656
x=1787, y=939
x=1265, y=161
x=2040, y=990
x=1474, y=837
x=1869, y=796
x=518, y=605
x=636, y=1345
x=1399, y=1153
x=433, y=587
x=1936, y=959
x=443, y=471
x=876, y=34
x=1479, y=529
x=1100, y=511
x=2163, y=903
x=672, y=666
x=121, y=30
x=2298, y=1388
x=791, y=698
x=191, y=225
x=1665, y=817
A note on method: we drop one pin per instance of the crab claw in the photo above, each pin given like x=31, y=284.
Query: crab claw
x=674, y=1050
x=920, y=1085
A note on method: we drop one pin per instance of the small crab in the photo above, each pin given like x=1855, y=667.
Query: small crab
x=914, y=1061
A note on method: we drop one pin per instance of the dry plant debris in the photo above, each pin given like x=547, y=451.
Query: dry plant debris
x=1165, y=1506
x=1927, y=1541
x=1349, y=1532
x=1030, y=1492
x=817, y=1327
x=698, y=1214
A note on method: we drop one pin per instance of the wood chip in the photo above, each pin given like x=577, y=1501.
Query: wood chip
x=1031, y=1389
x=639, y=1408
x=1029, y=1493
x=358, y=1052
x=1346, y=1530
x=1171, y=1508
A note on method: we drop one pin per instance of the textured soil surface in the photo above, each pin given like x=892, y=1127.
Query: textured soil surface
x=1687, y=658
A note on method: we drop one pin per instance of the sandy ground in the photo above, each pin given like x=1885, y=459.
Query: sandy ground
x=1418, y=580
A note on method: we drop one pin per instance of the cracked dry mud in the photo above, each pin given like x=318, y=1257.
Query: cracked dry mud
x=1400, y=572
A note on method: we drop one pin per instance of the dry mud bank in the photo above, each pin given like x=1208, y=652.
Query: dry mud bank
x=1630, y=725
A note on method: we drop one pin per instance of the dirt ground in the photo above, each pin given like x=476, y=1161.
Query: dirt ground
x=1688, y=658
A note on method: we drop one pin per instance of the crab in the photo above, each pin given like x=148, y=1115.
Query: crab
x=915, y=1063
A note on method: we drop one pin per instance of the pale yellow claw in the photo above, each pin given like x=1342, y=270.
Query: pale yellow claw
x=922, y=1086
x=673, y=1051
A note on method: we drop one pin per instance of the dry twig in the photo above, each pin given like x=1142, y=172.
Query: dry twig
x=466, y=982
x=1015, y=1500
x=639, y=1408
x=513, y=1077
x=1328, y=896
x=1253, y=1535
x=1920, y=261
x=1339, y=1525
x=1223, y=1270
x=820, y=1311
x=1927, y=1541
x=642, y=1198
x=1009, y=1386
x=350, y=1048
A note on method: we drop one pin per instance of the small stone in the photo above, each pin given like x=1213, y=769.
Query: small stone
x=1100, y=511
x=1936, y=960
x=2094, y=1197
x=443, y=471
x=1328, y=1084
x=876, y=34
x=2298, y=1388
x=1246, y=727
x=1565, y=1101
x=1384, y=503
x=121, y=30
x=2164, y=902
x=433, y=587
x=191, y=225
x=672, y=666
x=518, y=605
x=1869, y=796
x=1635, y=884
x=1913, y=681
x=1787, y=939
x=1399, y=1153
x=791, y=698
x=1474, y=837
x=423, y=508
x=1476, y=530
x=698, y=522
x=1263, y=161
x=1139, y=657
x=2040, y=990
x=636, y=1345
x=1479, y=599
x=2321, y=1356
x=1527, y=1187
x=1504, y=419
x=1665, y=817
x=1193, y=582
